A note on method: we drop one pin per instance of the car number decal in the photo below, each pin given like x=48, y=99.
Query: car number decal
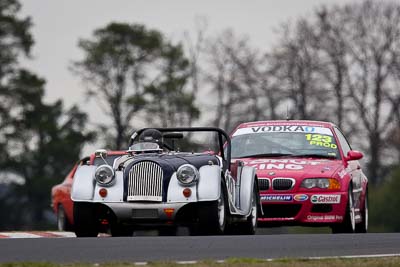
x=320, y=140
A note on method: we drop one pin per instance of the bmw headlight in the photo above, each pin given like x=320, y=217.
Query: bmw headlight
x=309, y=183
x=187, y=174
x=323, y=183
x=104, y=175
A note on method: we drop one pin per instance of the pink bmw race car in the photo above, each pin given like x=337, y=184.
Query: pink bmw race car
x=308, y=174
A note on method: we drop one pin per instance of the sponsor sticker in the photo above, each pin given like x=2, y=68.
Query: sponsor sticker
x=281, y=164
x=321, y=140
x=324, y=217
x=276, y=198
x=325, y=199
x=300, y=197
x=283, y=129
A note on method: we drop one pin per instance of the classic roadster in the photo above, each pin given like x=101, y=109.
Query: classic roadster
x=157, y=184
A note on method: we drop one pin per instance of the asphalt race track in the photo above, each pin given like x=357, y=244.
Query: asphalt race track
x=185, y=248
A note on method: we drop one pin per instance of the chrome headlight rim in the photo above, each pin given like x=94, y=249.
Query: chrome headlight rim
x=110, y=180
x=194, y=177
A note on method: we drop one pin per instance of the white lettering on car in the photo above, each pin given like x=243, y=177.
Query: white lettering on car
x=280, y=164
x=283, y=128
x=324, y=217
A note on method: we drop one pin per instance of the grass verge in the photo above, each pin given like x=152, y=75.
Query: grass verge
x=236, y=262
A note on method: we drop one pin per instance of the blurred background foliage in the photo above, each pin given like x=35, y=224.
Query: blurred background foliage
x=340, y=64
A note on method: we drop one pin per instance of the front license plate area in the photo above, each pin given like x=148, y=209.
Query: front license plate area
x=145, y=214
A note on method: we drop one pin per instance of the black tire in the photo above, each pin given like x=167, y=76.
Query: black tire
x=213, y=216
x=362, y=227
x=250, y=225
x=85, y=220
x=62, y=221
x=348, y=225
x=119, y=229
x=168, y=231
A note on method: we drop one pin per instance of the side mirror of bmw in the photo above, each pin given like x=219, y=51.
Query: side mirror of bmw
x=354, y=155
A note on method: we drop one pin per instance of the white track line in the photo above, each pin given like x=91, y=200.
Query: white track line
x=355, y=256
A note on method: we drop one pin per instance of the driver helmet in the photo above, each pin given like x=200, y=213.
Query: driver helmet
x=151, y=135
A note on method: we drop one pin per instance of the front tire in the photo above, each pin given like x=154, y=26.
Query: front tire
x=121, y=230
x=85, y=220
x=213, y=217
x=62, y=220
x=250, y=225
x=362, y=227
x=349, y=222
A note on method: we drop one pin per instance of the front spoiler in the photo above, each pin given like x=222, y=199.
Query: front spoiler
x=305, y=215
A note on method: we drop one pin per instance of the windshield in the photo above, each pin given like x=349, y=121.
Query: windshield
x=284, y=140
x=145, y=146
x=109, y=159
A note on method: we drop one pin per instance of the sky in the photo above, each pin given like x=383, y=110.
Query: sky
x=59, y=24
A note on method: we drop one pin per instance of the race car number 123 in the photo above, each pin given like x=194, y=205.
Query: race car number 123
x=320, y=140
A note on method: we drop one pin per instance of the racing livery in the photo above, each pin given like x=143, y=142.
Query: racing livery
x=158, y=184
x=307, y=174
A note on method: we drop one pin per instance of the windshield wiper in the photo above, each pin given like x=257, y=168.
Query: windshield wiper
x=265, y=155
x=315, y=156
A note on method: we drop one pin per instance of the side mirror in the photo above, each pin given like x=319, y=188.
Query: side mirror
x=100, y=153
x=354, y=155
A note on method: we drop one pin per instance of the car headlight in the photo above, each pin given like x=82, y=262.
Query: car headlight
x=104, y=175
x=187, y=174
x=323, y=183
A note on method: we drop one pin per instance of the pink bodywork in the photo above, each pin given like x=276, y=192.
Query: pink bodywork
x=302, y=206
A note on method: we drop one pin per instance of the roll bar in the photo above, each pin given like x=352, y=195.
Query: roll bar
x=221, y=135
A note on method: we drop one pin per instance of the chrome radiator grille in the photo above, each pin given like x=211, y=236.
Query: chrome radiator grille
x=282, y=183
x=145, y=182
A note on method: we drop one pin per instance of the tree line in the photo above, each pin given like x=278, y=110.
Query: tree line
x=339, y=64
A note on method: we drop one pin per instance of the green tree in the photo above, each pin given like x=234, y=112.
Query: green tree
x=130, y=71
x=384, y=203
x=15, y=41
x=39, y=141
x=169, y=103
x=15, y=38
x=42, y=141
x=341, y=64
x=114, y=68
